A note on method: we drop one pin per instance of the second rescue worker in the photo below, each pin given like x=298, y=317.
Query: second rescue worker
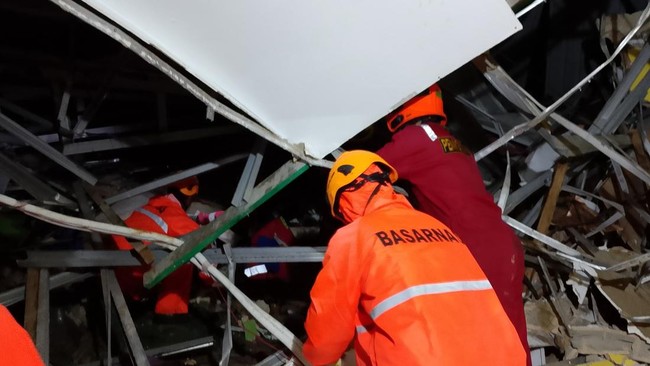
x=447, y=185
x=400, y=283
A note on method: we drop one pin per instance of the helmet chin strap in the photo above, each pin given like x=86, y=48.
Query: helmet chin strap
x=380, y=178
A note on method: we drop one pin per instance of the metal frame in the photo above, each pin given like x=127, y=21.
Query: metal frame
x=135, y=345
x=53, y=137
x=47, y=150
x=37, y=188
x=126, y=142
x=62, y=116
x=249, y=175
x=173, y=178
x=124, y=258
x=25, y=113
x=17, y=294
x=226, y=342
x=600, y=124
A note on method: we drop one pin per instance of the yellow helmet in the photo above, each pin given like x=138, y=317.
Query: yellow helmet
x=347, y=168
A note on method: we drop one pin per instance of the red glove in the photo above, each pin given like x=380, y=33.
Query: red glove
x=205, y=218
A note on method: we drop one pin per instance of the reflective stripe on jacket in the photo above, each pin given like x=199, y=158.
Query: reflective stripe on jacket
x=412, y=292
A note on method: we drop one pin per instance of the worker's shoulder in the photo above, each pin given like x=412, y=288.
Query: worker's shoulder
x=348, y=231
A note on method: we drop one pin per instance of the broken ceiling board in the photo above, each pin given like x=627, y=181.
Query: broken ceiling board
x=320, y=77
x=542, y=323
x=598, y=340
x=575, y=211
x=615, y=255
x=633, y=307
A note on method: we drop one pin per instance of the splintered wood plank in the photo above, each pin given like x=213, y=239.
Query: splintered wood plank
x=31, y=301
x=546, y=216
x=548, y=209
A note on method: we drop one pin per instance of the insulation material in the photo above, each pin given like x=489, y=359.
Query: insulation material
x=316, y=73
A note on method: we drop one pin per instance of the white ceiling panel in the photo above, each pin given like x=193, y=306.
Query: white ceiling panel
x=316, y=72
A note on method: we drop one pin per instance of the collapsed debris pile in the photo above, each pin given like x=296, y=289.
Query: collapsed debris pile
x=582, y=209
x=578, y=195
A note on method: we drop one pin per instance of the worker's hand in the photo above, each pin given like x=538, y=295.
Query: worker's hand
x=207, y=279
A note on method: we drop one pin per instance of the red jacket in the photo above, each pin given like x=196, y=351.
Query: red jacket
x=162, y=214
x=447, y=185
x=410, y=291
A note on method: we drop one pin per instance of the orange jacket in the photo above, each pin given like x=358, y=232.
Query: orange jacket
x=162, y=214
x=16, y=347
x=410, y=291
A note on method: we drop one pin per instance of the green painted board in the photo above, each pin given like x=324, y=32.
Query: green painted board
x=197, y=240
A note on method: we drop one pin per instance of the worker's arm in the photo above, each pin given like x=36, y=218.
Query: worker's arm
x=335, y=297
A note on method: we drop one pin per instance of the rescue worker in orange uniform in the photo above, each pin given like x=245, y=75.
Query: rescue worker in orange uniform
x=447, y=185
x=16, y=347
x=401, y=281
x=165, y=215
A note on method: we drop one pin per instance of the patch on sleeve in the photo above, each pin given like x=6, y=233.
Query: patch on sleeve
x=451, y=145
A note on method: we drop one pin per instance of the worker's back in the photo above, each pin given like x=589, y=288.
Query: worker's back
x=423, y=300
x=431, y=305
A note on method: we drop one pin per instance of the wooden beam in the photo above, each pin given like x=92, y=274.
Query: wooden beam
x=546, y=216
x=548, y=209
x=43, y=316
x=31, y=301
